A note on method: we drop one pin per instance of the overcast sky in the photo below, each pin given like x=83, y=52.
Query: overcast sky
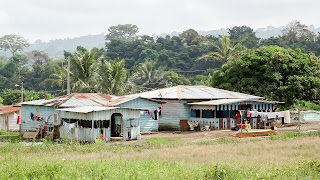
x=52, y=19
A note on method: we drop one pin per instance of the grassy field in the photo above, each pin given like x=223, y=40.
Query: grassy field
x=288, y=156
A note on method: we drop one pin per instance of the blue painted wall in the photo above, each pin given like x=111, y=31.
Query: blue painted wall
x=29, y=125
x=146, y=121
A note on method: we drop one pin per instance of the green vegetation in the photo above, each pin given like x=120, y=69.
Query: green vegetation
x=13, y=137
x=276, y=73
x=164, y=158
x=284, y=68
x=293, y=135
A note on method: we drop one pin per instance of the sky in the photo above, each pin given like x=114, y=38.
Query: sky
x=58, y=19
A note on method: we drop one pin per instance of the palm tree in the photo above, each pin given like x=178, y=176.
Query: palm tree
x=59, y=77
x=226, y=50
x=148, y=76
x=114, y=76
x=84, y=71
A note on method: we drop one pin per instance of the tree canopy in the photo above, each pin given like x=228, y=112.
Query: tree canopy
x=276, y=73
x=13, y=43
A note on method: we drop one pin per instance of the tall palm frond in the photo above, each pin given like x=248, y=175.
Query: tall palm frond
x=226, y=50
x=114, y=76
x=84, y=71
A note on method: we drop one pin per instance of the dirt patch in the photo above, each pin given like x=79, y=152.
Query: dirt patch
x=195, y=135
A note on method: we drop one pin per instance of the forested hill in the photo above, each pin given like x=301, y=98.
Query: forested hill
x=55, y=48
x=282, y=68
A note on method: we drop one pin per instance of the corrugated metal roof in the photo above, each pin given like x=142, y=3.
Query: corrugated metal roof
x=8, y=109
x=87, y=109
x=230, y=101
x=194, y=92
x=120, y=100
x=74, y=100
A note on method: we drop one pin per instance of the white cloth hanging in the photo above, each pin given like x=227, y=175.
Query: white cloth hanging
x=287, y=116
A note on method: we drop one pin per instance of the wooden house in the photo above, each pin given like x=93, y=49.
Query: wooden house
x=89, y=123
x=202, y=104
x=9, y=118
x=35, y=114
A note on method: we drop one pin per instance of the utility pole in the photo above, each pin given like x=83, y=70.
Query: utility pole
x=68, y=77
x=22, y=92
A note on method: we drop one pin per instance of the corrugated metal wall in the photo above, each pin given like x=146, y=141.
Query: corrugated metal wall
x=27, y=124
x=170, y=115
x=310, y=117
x=146, y=121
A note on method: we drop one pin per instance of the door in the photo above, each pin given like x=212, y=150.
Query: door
x=6, y=123
x=116, y=120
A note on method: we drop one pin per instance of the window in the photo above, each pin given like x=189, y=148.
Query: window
x=207, y=113
x=195, y=113
x=219, y=114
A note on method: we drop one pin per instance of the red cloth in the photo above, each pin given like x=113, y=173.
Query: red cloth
x=18, y=120
x=236, y=116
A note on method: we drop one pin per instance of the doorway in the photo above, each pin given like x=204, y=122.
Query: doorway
x=6, y=123
x=116, y=122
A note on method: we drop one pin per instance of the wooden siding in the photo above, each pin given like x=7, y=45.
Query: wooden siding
x=27, y=124
x=12, y=121
x=84, y=134
x=170, y=115
x=146, y=121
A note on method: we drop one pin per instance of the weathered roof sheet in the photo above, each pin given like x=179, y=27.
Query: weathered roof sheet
x=87, y=109
x=194, y=92
x=8, y=109
x=73, y=100
x=120, y=100
x=230, y=101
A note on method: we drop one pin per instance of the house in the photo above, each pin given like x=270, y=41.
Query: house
x=9, y=118
x=89, y=123
x=204, y=105
x=45, y=112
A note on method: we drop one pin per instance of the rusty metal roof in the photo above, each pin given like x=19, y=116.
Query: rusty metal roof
x=73, y=100
x=194, y=92
x=8, y=109
x=87, y=109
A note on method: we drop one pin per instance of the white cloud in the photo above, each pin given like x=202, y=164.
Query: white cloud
x=47, y=19
x=4, y=17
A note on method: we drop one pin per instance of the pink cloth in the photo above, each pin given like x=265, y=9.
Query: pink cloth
x=248, y=113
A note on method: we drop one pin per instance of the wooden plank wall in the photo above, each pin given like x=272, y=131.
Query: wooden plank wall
x=29, y=125
x=146, y=121
x=170, y=115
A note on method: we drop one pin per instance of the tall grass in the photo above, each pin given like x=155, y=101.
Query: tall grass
x=289, y=156
x=294, y=134
x=150, y=169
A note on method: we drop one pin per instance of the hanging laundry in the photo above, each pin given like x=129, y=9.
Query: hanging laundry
x=287, y=116
x=158, y=109
x=18, y=120
x=32, y=116
x=248, y=114
x=151, y=112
